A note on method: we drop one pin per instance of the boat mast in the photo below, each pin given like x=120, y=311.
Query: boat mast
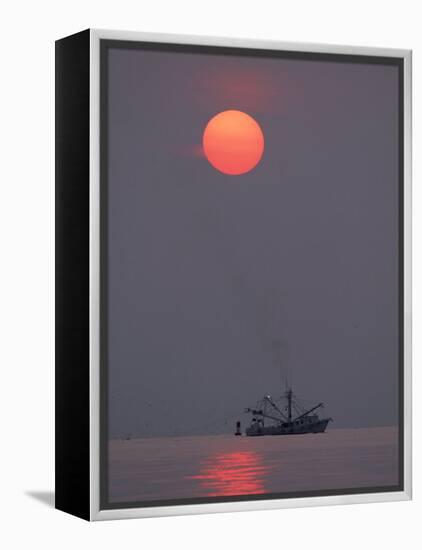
x=289, y=405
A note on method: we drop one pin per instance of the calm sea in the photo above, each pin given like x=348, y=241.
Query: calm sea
x=225, y=465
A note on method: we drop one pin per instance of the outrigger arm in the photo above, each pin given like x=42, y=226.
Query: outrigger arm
x=271, y=402
x=310, y=410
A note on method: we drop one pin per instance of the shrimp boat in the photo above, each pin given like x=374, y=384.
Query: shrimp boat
x=285, y=416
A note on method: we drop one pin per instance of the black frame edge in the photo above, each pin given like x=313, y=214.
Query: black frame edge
x=72, y=447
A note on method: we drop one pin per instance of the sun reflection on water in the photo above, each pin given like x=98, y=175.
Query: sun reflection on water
x=229, y=474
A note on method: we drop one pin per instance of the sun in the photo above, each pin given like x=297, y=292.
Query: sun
x=233, y=142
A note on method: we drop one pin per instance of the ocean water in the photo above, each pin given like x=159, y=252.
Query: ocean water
x=224, y=465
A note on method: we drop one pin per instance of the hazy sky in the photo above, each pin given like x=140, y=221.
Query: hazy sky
x=214, y=280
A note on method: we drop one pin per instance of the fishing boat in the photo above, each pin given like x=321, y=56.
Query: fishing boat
x=285, y=416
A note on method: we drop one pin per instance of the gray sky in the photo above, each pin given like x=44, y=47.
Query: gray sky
x=214, y=280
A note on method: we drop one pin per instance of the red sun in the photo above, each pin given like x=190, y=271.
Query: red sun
x=233, y=142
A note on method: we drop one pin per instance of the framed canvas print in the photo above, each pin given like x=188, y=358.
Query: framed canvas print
x=233, y=287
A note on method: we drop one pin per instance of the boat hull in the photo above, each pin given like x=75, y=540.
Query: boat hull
x=294, y=428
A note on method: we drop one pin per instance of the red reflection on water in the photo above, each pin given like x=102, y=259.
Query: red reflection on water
x=229, y=474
